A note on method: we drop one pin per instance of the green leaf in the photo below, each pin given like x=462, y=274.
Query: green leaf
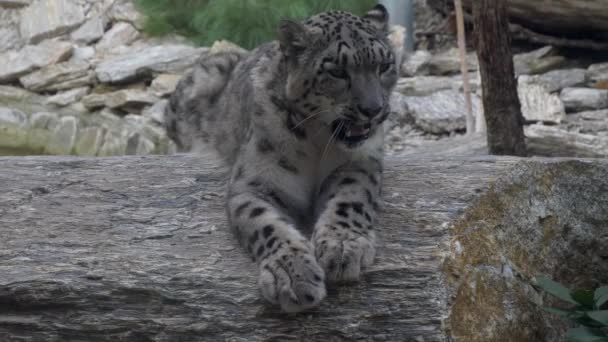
x=559, y=312
x=586, y=335
x=584, y=298
x=599, y=316
x=555, y=288
x=600, y=296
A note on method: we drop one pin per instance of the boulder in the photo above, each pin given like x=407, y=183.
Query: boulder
x=89, y=141
x=557, y=142
x=427, y=85
x=10, y=38
x=416, y=64
x=124, y=10
x=90, y=31
x=139, y=248
x=50, y=18
x=589, y=122
x=156, y=112
x=14, y=3
x=598, y=72
x=145, y=62
x=14, y=64
x=441, y=112
x=557, y=80
x=580, y=99
x=448, y=62
x=537, y=103
x=63, y=136
x=13, y=128
x=120, y=34
x=83, y=53
x=129, y=98
x=60, y=76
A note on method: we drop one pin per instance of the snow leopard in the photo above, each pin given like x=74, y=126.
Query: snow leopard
x=299, y=121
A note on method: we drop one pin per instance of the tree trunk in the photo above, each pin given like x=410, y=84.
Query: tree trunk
x=137, y=249
x=501, y=104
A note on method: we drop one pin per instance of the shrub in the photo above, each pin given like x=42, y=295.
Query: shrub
x=244, y=22
x=586, y=310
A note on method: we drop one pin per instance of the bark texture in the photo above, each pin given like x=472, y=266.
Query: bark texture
x=137, y=249
x=500, y=101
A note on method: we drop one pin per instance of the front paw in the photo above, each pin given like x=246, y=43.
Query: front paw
x=343, y=252
x=292, y=278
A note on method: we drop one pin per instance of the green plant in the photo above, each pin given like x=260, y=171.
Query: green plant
x=244, y=22
x=586, y=310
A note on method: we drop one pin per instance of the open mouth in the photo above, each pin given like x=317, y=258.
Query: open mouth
x=349, y=132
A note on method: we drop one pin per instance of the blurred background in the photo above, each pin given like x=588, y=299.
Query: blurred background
x=92, y=77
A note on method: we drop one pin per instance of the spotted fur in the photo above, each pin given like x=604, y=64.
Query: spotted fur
x=300, y=122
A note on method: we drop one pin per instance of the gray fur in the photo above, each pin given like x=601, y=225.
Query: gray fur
x=300, y=122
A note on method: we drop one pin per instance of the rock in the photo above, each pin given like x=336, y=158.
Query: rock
x=83, y=53
x=64, y=136
x=94, y=101
x=157, y=112
x=50, y=18
x=60, y=76
x=14, y=94
x=441, y=112
x=157, y=59
x=225, y=46
x=89, y=141
x=113, y=145
x=397, y=39
x=129, y=98
x=557, y=80
x=580, y=99
x=68, y=97
x=416, y=64
x=537, y=104
x=557, y=142
x=538, y=61
x=39, y=135
x=90, y=31
x=124, y=10
x=448, y=62
x=427, y=85
x=13, y=128
x=164, y=85
x=16, y=64
x=10, y=38
x=455, y=233
x=120, y=34
x=598, y=72
x=14, y=3
x=589, y=122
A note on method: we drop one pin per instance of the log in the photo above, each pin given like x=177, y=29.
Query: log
x=137, y=249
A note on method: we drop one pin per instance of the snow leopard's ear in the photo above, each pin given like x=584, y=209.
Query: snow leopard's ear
x=378, y=17
x=294, y=37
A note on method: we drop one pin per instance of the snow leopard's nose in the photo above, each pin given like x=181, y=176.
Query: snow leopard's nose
x=370, y=111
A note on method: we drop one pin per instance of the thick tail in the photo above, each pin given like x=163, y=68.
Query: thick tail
x=195, y=96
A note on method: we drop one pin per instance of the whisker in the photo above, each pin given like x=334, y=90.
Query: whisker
x=331, y=138
x=309, y=117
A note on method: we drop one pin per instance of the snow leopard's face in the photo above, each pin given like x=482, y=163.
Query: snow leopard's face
x=341, y=69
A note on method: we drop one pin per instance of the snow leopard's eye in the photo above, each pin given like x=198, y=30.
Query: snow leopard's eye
x=384, y=67
x=335, y=71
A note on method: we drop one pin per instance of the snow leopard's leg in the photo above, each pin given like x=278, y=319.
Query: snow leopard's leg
x=344, y=237
x=289, y=273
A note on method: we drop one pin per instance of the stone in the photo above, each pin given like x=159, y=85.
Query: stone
x=89, y=141
x=94, y=101
x=538, y=61
x=16, y=64
x=537, y=103
x=593, y=122
x=124, y=10
x=580, y=99
x=83, y=53
x=13, y=128
x=50, y=18
x=164, y=84
x=129, y=98
x=397, y=38
x=64, y=136
x=145, y=62
x=58, y=76
x=598, y=72
x=39, y=134
x=71, y=96
x=448, y=62
x=557, y=80
x=113, y=144
x=557, y=142
x=416, y=64
x=427, y=85
x=157, y=111
x=456, y=233
x=441, y=112
x=91, y=31
x=10, y=38
x=120, y=34
x=14, y=3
